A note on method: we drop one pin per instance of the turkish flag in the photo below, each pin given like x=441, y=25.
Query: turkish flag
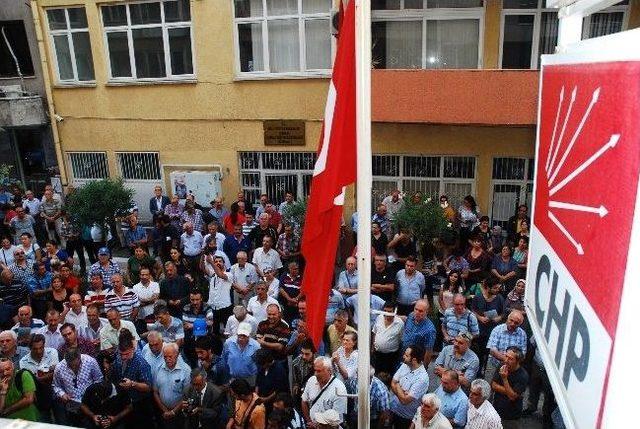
x=334, y=170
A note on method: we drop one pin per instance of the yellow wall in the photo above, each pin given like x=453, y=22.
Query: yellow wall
x=492, y=20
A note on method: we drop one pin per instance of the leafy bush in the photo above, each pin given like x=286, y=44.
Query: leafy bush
x=98, y=202
x=424, y=219
x=295, y=213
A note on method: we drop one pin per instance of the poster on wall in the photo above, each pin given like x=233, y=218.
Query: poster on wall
x=203, y=185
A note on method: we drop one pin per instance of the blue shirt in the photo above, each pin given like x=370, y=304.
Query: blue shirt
x=40, y=283
x=137, y=370
x=456, y=325
x=347, y=280
x=415, y=383
x=172, y=333
x=335, y=303
x=468, y=363
x=453, y=406
x=421, y=333
x=501, y=339
x=410, y=289
x=376, y=303
x=171, y=383
x=232, y=246
x=133, y=235
x=239, y=362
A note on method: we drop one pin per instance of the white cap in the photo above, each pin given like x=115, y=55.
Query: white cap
x=328, y=417
x=244, y=328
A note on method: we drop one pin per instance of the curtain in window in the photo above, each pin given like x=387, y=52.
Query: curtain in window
x=316, y=6
x=452, y=44
x=318, y=44
x=63, y=55
x=282, y=7
x=284, y=48
x=250, y=40
x=605, y=23
x=548, y=33
x=402, y=44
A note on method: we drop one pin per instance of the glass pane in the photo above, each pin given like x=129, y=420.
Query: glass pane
x=318, y=40
x=248, y=8
x=149, y=52
x=460, y=167
x=284, y=47
x=77, y=17
x=385, y=165
x=456, y=192
x=413, y=4
x=452, y=44
x=605, y=23
x=145, y=13
x=316, y=6
x=180, y=51
x=397, y=45
x=428, y=188
x=508, y=168
x=177, y=11
x=84, y=60
x=250, y=41
x=432, y=4
x=548, y=33
x=119, y=54
x=114, y=15
x=517, y=41
x=63, y=55
x=520, y=4
x=385, y=4
x=422, y=166
x=282, y=7
x=57, y=20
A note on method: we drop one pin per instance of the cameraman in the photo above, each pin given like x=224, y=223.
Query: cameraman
x=203, y=403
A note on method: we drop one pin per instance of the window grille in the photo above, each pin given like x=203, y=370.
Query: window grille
x=88, y=165
x=512, y=186
x=139, y=165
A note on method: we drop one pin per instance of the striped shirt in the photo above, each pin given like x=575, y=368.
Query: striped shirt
x=485, y=417
x=457, y=325
x=107, y=272
x=501, y=339
x=124, y=303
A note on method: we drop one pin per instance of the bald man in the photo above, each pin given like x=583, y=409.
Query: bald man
x=77, y=314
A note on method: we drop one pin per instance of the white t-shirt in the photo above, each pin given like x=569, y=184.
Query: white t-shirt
x=258, y=309
x=388, y=338
x=144, y=293
x=334, y=397
x=219, y=292
x=271, y=258
x=231, y=327
x=6, y=255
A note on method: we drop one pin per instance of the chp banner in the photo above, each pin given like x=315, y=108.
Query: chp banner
x=583, y=264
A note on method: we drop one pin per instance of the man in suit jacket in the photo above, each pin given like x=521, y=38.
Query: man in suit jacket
x=203, y=403
x=158, y=202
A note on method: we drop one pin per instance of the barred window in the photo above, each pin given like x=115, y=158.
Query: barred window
x=88, y=165
x=139, y=165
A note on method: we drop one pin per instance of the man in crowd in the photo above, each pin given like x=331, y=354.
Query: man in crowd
x=109, y=334
x=419, y=329
x=51, y=332
x=481, y=414
x=174, y=289
x=191, y=242
x=26, y=325
x=50, y=211
x=302, y=367
x=9, y=348
x=458, y=320
x=257, y=305
x=244, y=277
x=257, y=234
x=452, y=398
x=158, y=202
x=122, y=299
x=274, y=333
x=192, y=215
x=411, y=285
x=387, y=339
x=136, y=235
x=170, y=379
x=460, y=358
x=239, y=315
x=21, y=223
x=41, y=362
x=77, y=314
x=347, y=283
x=21, y=268
x=218, y=211
x=393, y=202
x=409, y=383
x=337, y=329
x=105, y=266
x=323, y=392
x=94, y=325
x=266, y=256
x=96, y=293
x=502, y=337
x=237, y=355
x=209, y=362
x=234, y=243
x=203, y=402
x=381, y=218
x=173, y=211
x=152, y=351
x=17, y=398
x=289, y=294
x=73, y=341
x=509, y=384
x=170, y=327
x=488, y=307
x=382, y=279
x=288, y=245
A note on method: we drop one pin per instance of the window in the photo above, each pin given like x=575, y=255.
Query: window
x=139, y=165
x=426, y=34
x=18, y=45
x=70, y=42
x=530, y=30
x=149, y=41
x=283, y=36
x=88, y=165
x=430, y=175
x=512, y=184
x=274, y=173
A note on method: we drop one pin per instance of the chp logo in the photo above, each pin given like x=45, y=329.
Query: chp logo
x=586, y=183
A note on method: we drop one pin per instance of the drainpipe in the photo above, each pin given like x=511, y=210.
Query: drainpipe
x=35, y=11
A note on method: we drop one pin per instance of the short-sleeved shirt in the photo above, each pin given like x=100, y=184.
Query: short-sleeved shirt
x=124, y=303
x=388, y=338
x=109, y=335
x=48, y=361
x=171, y=333
x=278, y=333
x=259, y=309
x=239, y=362
x=456, y=325
x=146, y=292
x=506, y=408
x=348, y=280
x=333, y=398
x=335, y=303
x=468, y=363
x=219, y=292
x=135, y=265
x=453, y=405
x=23, y=225
x=494, y=307
x=171, y=383
x=375, y=303
x=262, y=258
x=383, y=278
x=107, y=272
x=137, y=369
x=415, y=383
x=14, y=395
x=421, y=333
x=410, y=289
x=501, y=339
x=191, y=244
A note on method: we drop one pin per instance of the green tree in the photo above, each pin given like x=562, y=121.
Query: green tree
x=99, y=202
x=295, y=213
x=424, y=219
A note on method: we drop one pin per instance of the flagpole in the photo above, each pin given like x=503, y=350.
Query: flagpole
x=363, y=189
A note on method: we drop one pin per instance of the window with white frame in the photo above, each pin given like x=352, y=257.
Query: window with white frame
x=512, y=185
x=282, y=36
x=427, y=34
x=149, y=41
x=530, y=30
x=139, y=165
x=69, y=36
x=454, y=176
x=88, y=165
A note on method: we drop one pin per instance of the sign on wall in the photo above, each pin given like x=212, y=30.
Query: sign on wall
x=585, y=209
x=284, y=133
x=203, y=185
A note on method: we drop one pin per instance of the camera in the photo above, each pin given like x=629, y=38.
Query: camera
x=191, y=405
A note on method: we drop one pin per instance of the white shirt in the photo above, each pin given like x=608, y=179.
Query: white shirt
x=334, y=397
x=79, y=320
x=439, y=421
x=485, y=417
x=220, y=237
x=91, y=334
x=262, y=258
x=145, y=293
x=231, y=327
x=392, y=207
x=274, y=288
x=259, y=309
x=46, y=364
x=388, y=338
x=243, y=276
x=191, y=244
x=52, y=339
x=219, y=292
x=109, y=335
x=6, y=255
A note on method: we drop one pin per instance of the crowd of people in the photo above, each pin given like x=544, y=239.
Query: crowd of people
x=204, y=325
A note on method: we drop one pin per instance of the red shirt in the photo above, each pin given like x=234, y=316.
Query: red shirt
x=228, y=224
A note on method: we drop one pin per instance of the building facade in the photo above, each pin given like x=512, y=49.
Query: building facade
x=149, y=90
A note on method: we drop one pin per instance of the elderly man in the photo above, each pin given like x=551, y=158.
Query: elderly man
x=243, y=277
x=17, y=398
x=21, y=268
x=411, y=285
x=136, y=235
x=237, y=355
x=26, y=325
x=203, y=402
x=393, y=202
x=21, y=223
x=158, y=202
x=419, y=330
x=480, y=413
x=109, y=334
x=459, y=358
x=152, y=351
x=170, y=379
x=218, y=211
x=174, y=289
x=71, y=378
x=266, y=256
x=409, y=383
x=323, y=392
x=380, y=217
x=337, y=329
x=122, y=299
x=170, y=327
x=387, y=339
x=274, y=333
x=288, y=245
x=50, y=212
x=192, y=215
x=257, y=305
x=508, y=385
x=51, y=332
x=13, y=294
x=458, y=319
x=191, y=242
x=77, y=314
x=348, y=279
x=73, y=341
x=41, y=362
x=94, y=325
x=262, y=230
x=105, y=266
x=452, y=398
x=239, y=315
x=429, y=415
x=234, y=243
x=502, y=337
x=9, y=348
x=173, y=211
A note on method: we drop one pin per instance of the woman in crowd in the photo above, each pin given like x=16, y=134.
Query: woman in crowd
x=233, y=218
x=345, y=361
x=247, y=413
x=515, y=298
x=457, y=262
x=469, y=217
x=182, y=265
x=6, y=252
x=479, y=260
x=139, y=260
x=483, y=232
x=54, y=255
x=32, y=251
x=504, y=268
x=452, y=285
x=58, y=297
x=520, y=255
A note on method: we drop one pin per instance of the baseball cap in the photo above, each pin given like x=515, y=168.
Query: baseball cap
x=244, y=328
x=329, y=417
x=104, y=251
